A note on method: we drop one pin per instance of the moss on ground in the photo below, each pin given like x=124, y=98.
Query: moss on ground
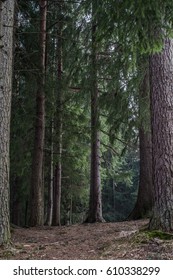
x=145, y=235
x=159, y=234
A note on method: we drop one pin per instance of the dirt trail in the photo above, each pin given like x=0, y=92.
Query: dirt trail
x=87, y=241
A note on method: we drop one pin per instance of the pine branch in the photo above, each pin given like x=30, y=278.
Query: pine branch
x=111, y=148
x=120, y=140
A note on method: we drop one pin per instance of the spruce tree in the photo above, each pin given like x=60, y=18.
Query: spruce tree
x=6, y=57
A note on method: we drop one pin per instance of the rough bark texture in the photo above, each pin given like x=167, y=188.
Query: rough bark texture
x=95, y=205
x=161, y=84
x=6, y=47
x=144, y=203
x=37, y=188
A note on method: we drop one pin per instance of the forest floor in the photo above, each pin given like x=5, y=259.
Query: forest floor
x=101, y=241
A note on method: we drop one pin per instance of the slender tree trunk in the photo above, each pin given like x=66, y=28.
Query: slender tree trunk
x=15, y=203
x=50, y=186
x=37, y=188
x=71, y=210
x=114, y=194
x=6, y=54
x=95, y=204
x=161, y=84
x=58, y=166
x=51, y=155
x=58, y=175
x=144, y=203
x=58, y=121
x=57, y=197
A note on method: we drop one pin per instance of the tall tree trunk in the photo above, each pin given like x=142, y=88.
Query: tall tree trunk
x=15, y=203
x=57, y=196
x=51, y=178
x=51, y=145
x=95, y=204
x=58, y=171
x=161, y=84
x=58, y=121
x=37, y=188
x=144, y=203
x=6, y=54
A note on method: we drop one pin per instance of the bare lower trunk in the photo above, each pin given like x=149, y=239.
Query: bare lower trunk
x=58, y=128
x=57, y=197
x=6, y=47
x=37, y=188
x=50, y=186
x=58, y=172
x=95, y=206
x=144, y=203
x=161, y=74
x=15, y=202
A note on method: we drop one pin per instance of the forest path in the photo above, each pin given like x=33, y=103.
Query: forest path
x=120, y=240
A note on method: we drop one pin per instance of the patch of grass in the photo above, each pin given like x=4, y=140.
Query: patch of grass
x=140, y=238
x=144, y=236
x=159, y=234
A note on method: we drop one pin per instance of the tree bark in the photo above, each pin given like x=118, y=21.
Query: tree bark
x=15, y=203
x=95, y=204
x=59, y=128
x=161, y=81
x=144, y=203
x=57, y=197
x=37, y=188
x=51, y=178
x=6, y=55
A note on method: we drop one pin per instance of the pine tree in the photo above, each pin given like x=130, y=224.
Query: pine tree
x=37, y=186
x=95, y=204
x=58, y=122
x=144, y=203
x=6, y=47
x=161, y=75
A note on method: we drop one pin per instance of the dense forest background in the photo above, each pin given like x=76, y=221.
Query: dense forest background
x=68, y=62
x=91, y=118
